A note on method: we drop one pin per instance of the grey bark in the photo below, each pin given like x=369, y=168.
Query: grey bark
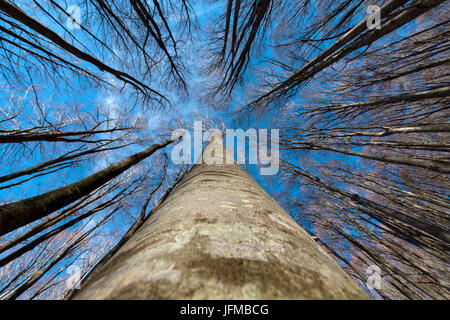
x=18, y=214
x=219, y=235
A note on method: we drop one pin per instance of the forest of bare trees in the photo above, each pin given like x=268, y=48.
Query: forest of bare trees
x=87, y=113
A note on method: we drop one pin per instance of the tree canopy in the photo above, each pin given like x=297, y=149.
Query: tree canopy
x=91, y=91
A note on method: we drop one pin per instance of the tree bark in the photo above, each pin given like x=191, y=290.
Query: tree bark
x=18, y=214
x=219, y=235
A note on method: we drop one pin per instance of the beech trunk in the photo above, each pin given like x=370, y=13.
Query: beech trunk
x=219, y=235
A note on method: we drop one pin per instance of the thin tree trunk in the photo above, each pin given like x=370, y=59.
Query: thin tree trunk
x=380, y=211
x=354, y=39
x=18, y=14
x=219, y=235
x=18, y=214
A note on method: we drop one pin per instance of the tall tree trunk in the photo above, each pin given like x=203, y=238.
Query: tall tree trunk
x=18, y=214
x=219, y=235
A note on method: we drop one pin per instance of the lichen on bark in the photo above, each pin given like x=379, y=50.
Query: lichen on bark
x=219, y=235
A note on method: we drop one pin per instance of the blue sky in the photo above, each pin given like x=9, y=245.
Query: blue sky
x=186, y=106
